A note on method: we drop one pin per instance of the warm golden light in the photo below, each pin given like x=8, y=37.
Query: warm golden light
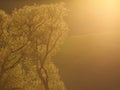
x=34, y=57
x=99, y=14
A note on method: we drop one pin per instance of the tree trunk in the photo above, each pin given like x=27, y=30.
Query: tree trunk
x=44, y=81
x=46, y=86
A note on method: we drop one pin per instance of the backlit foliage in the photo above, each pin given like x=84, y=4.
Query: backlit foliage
x=29, y=37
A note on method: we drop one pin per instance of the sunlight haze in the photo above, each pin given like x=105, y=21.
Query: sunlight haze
x=73, y=45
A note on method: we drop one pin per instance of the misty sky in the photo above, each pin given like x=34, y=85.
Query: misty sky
x=8, y=5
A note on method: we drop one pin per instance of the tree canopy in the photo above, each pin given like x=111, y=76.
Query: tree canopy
x=29, y=37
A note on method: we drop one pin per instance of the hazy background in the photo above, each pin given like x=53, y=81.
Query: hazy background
x=90, y=56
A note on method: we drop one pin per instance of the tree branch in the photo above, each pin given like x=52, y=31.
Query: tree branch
x=15, y=64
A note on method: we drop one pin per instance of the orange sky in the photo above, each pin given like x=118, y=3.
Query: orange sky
x=95, y=15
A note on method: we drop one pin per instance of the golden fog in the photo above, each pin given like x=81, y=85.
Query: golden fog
x=92, y=54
